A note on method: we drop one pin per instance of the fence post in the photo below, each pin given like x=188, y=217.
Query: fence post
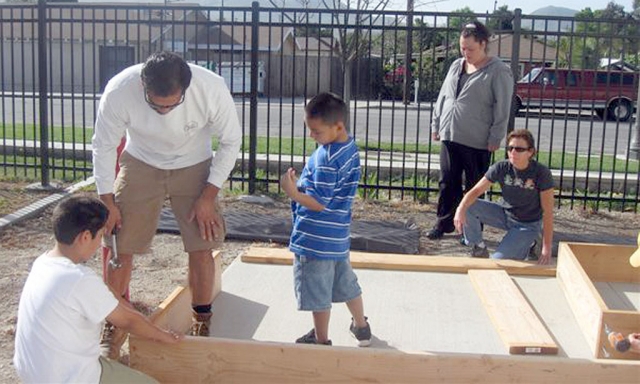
x=408, y=56
x=515, y=64
x=634, y=149
x=42, y=93
x=253, y=103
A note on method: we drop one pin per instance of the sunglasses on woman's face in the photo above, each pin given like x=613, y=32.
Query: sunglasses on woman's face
x=517, y=149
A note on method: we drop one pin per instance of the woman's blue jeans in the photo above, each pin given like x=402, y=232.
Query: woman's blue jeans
x=520, y=235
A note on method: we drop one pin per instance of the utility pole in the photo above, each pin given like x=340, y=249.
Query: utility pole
x=406, y=93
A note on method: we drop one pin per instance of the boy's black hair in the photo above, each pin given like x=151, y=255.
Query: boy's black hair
x=164, y=73
x=328, y=107
x=77, y=214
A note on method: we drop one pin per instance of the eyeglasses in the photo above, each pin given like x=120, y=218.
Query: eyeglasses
x=517, y=149
x=158, y=106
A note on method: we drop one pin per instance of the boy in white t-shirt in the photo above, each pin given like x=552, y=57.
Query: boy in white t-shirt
x=64, y=304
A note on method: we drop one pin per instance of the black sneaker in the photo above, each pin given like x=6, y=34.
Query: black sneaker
x=363, y=335
x=478, y=251
x=310, y=338
x=436, y=233
x=535, y=250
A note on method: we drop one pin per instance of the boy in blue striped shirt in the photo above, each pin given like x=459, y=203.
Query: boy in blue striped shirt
x=321, y=204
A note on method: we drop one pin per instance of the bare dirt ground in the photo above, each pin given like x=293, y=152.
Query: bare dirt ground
x=157, y=274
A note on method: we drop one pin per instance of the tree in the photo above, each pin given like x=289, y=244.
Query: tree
x=348, y=29
x=455, y=23
x=353, y=38
x=501, y=19
x=297, y=18
x=605, y=33
x=427, y=37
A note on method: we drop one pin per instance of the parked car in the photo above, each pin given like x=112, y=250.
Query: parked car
x=610, y=94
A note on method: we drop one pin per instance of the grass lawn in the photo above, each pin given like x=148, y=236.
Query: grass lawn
x=304, y=146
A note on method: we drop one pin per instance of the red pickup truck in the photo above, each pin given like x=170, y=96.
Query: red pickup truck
x=611, y=94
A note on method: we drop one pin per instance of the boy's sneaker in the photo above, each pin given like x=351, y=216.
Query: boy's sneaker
x=310, y=338
x=200, y=324
x=111, y=341
x=478, y=251
x=363, y=335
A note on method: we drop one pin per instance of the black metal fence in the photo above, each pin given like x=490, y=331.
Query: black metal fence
x=56, y=58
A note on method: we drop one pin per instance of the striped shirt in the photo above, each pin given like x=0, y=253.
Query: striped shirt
x=331, y=176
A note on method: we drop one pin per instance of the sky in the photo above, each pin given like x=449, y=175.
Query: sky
x=527, y=6
x=478, y=6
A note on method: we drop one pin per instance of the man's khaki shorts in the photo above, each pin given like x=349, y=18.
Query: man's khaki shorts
x=140, y=193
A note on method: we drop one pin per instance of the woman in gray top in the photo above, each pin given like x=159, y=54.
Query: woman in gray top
x=470, y=118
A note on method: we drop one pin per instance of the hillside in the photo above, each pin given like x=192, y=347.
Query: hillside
x=554, y=11
x=551, y=25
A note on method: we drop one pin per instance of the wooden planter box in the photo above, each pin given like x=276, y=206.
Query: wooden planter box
x=224, y=360
x=584, y=271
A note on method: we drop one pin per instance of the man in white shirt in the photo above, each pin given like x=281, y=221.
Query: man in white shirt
x=169, y=111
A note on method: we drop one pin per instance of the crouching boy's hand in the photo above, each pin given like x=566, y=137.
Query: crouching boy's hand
x=170, y=337
x=125, y=317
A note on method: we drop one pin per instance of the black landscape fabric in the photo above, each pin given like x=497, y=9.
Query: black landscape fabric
x=368, y=236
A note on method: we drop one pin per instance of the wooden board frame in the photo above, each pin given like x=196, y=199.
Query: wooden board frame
x=515, y=320
x=579, y=266
x=198, y=359
x=398, y=262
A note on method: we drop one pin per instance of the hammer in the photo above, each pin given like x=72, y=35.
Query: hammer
x=114, y=262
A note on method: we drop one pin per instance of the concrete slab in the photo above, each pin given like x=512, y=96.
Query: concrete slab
x=408, y=311
x=619, y=296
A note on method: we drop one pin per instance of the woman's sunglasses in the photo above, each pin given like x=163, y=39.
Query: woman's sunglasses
x=517, y=149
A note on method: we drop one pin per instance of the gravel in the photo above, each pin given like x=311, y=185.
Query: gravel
x=157, y=274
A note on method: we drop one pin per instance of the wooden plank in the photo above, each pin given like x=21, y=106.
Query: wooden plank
x=516, y=322
x=217, y=273
x=625, y=322
x=582, y=295
x=175, y=311
x=604, y=262
x=208, y=360
x=408, y=262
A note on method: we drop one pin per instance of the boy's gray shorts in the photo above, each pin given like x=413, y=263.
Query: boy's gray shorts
x=320, y=282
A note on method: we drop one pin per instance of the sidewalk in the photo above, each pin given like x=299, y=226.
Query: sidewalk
x=386, y=163
x=357, y=104
x=533, y=113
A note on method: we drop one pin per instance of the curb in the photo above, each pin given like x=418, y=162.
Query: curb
x=37, y=207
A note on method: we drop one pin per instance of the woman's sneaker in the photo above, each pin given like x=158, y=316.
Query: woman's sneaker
x=363, y=335
x=535, y=250
x=310, y=338
x=478, y=251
